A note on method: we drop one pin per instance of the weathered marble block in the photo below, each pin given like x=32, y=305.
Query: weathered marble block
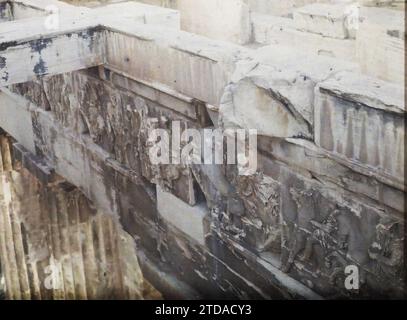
x=15, y=118
x=161, y=95
x=274, y=92
x=324, y=232
x=173, y=59
x=362, y=119
x=227, y=20
x=173, y=178
x=329, y=20
x=77, y=159
x=34, y=164
x=188, y=219
x=275, y=30
x=140, y=13
x=10, y=10
x=331, y=169
x=380, y=44
x=259, y=227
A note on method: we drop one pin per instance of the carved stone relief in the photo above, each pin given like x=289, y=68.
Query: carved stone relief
x=324, y=233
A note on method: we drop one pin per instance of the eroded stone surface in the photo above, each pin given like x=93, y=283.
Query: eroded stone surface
x=362, y=119
x=329, y=20
x=386, y=40
x=274, y=92
x=56, y=232
x=282, y=31
x=227, y=20
x=329, y=189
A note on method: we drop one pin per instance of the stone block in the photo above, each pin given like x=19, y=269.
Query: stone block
x=326, y=229
x=362, y=119
x=393, y=4
x=274, y=92
x=29, y=49
x=78, y=160
x=227, y=20
x=15, y=119
x=154, y=92
x=377, y=189
x=188, y=219
x=172, y=59
x=277, y=7
x=275, y=30
x=380, y=44
x=330, y=20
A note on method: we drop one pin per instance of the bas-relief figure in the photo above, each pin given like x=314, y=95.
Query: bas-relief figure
x=387, y=257
x=261, y=198
x=244, y=208
x=327, y=237
x=174, y=178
